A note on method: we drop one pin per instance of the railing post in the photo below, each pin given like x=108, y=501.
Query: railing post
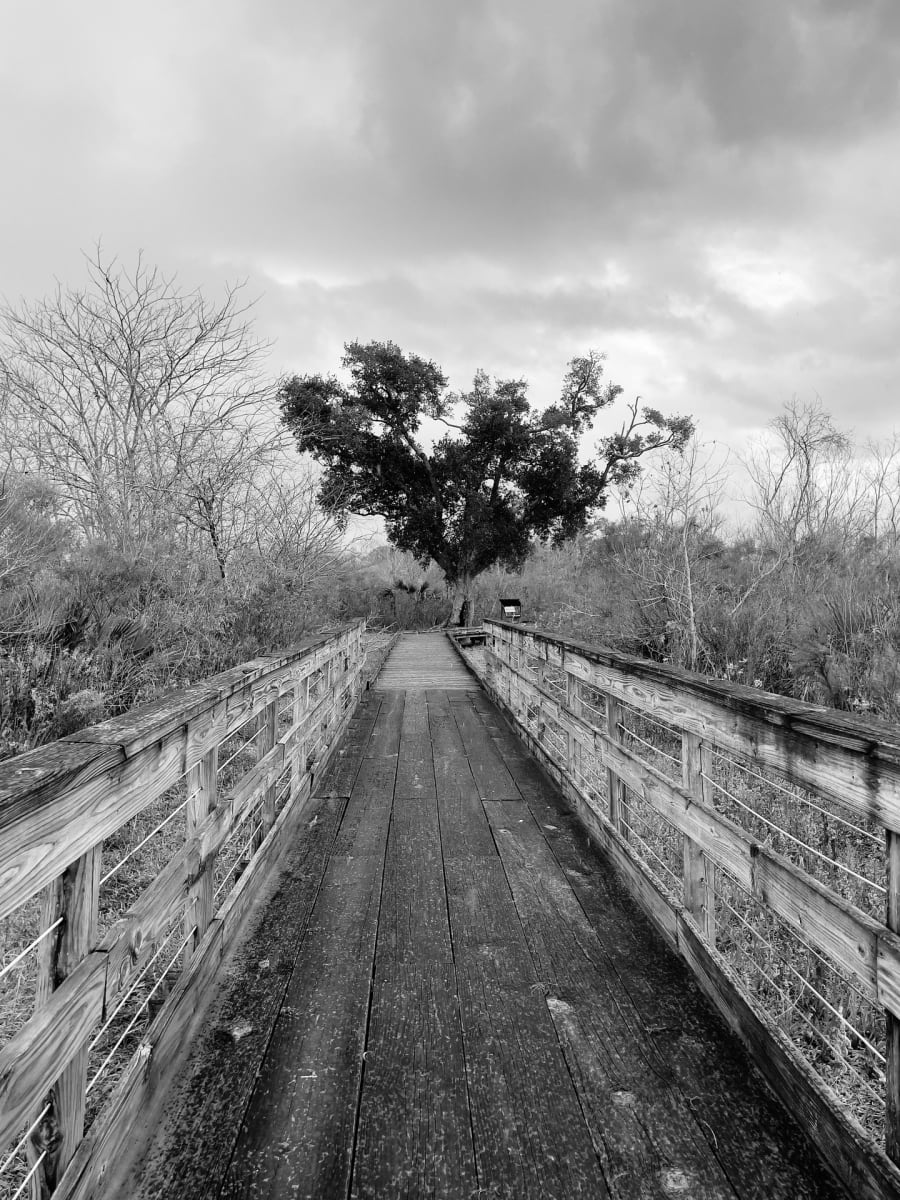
x=699, y=872
x=301, y=709
x=72, y=900
x=268, y=720
x=298, y=754
x=573, y=746
x=490, y=663
x=892, y=1065
x=539, y=671
x=618, y=800
x=202, y=783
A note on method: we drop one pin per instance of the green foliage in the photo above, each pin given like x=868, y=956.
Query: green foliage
x=502, y=474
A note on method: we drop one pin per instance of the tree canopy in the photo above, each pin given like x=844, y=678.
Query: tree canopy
x=502, y=474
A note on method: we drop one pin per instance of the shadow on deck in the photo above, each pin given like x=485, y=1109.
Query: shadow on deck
x=448, y=994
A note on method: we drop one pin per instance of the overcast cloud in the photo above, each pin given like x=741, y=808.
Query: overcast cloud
x=708, y=190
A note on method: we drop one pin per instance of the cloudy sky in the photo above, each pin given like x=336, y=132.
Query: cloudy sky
x=708, y=190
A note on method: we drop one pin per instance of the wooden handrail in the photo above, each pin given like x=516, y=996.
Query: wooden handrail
x=568, y=700
x=59, y=803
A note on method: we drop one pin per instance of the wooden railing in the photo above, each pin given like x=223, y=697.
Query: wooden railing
x=762, y=836
x=210, y=784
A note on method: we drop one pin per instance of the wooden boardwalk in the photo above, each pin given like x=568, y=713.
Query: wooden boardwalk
x=423, y=660
x=448, y=995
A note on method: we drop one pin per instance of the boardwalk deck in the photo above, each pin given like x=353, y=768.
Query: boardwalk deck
x=448, y=995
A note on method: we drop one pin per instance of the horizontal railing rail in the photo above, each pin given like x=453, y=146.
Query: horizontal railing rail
x=762, y=835
x=129, y=855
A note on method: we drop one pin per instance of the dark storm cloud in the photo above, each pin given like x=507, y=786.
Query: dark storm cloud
x=707, y=190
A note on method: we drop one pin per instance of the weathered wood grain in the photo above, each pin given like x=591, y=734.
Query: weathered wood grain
x=71, y=903
x=699, y=872
x=343, y=769
x=760, y=1149
x=853, y=761
x=643, y=1132
x=866, y=1172
x=758, y=1175
x=205, y=1105
x=59, y=800
x=833, y=925
x=415, y=766
x=46, y=1045
x=201, y=803
x=529, y=1131
x=128, y=1119
x=413, y=924
x=489, y=771
x=297, y=1135
x=419, y=661
x=308, y=1088
x=415, y=1137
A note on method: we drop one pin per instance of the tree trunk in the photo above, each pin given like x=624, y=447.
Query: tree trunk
x=466, y=608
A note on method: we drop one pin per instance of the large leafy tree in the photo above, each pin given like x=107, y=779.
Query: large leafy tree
x=501, y=474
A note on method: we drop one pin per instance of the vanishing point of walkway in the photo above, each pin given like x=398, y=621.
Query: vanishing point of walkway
x=447, y=995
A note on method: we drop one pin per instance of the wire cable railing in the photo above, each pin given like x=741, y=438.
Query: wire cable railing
x=766, y=828
x=184, y=819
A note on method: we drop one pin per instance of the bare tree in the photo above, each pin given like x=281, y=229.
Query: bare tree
x=111, y=392
x=292, y=533
x=882, y=474
x=805, y=484
x=220, y=485
x=676, y=507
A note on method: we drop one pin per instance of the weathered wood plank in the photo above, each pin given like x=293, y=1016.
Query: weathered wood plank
x=413, y=923
x=415, y=767
x=193, y=1143
x=465, y=832
x=760, y=1150
x=457, y=790
x=385, y=739
x=529, y=1132
x=112, y=1139
x=72, y=901
x=109, y=1150
x=297, y=1135
x=201, y=803
x=534, y=785
x=852, y=760
x=834, y=926
x=483, y=918
x=344, y=767
x=415, y=1137
x=59, y=800
x=488, y=768
x=777, y=1153
x=643, y=1132
x=866, y=1173
x=464, y=828
x=49, y=1042
x=364, y=827
x=419, y=661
